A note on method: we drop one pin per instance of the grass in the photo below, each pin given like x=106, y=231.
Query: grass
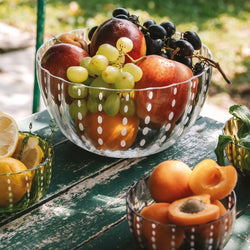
x=223, y=25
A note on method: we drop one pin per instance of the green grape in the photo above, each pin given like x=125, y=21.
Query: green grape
x=77, y=74
x=110, y=73
x=99, y=62
x=78, y=109
x=120, y=60
x=97, y=92
x=93, y=71
x=85, y=62
x=124, y=81
x=134, y=70
x=76, y=90
x=124, y=44
x=112, y=104
x=93, y=104
x=109, y=51
x=127, y=107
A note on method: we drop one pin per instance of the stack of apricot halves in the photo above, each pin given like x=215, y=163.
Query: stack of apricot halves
x=193, y=195
x=187, y=197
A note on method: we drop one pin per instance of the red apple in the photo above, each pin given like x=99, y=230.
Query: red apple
x=162, y=106
x=112, y=29
x=56, y=60
x=72, y=39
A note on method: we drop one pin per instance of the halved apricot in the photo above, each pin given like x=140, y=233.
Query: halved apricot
x=221, y=207
x=193, y=210
x=208, y=177
x=158, y=235
x=170, y=181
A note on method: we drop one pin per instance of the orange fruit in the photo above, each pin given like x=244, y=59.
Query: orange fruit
x=15, y=181
x=109, y=132
x=158, y=236
x=8, y=135
x=169, y=181
x=209, y=178
x=193, y=210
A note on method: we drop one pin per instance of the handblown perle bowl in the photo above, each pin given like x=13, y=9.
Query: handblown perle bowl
x=123, y=135
x=151, y=234
x=238, y=155
x=21, y=190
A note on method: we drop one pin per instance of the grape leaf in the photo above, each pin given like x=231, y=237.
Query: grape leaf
x=223, y=141
x=243, y=114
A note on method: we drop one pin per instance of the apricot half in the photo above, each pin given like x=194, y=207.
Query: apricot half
x=208, y=177
x=156, y=229
x=170, y=181
x=193, y=210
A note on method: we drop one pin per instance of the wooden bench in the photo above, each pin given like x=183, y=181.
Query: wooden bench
x=84, y=207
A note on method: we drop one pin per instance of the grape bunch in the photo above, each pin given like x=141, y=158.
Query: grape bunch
x=101, y=82
x=160, y=40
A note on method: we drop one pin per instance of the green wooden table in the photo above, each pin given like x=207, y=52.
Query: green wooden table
x=84, y=207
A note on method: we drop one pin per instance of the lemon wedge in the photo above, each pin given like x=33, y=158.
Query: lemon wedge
x=8, y=135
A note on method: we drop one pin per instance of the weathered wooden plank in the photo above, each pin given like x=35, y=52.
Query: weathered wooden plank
x=87, y=197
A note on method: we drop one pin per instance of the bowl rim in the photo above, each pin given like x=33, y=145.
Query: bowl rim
x=223, y=132
x=38, y=61
x=44, y=162
x=175, y=225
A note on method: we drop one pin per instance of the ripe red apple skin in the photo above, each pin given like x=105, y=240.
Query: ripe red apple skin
x=72, y=39
x=163, y=106
x=114, y=28
x=56, y=60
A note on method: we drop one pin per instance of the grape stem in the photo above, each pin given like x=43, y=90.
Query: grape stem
x=133, y=60
x=213, y=64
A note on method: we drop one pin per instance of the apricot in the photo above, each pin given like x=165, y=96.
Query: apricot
x=208, y=177
x=169, y=181
x=193, y=210
x=158, y=235
x=108, y=132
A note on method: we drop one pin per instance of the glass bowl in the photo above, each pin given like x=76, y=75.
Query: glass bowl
x=125, y=135
x=238, y=155
x=211, y=235
x=24, y=188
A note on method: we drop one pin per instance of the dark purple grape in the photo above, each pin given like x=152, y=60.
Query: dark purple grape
x=169, y=27
x=193, y=38
x=92, y=31
x=134, y=19
x=186, y=48
x=148, y=23
x=121, y=16
x=154, y=46
x=169, y=42
x=120, y=11
x=185, y=60
x=198, y=68
x=156, y=31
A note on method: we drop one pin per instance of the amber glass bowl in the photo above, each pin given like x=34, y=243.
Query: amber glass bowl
x=212, y=235
x=122, y=136
x=32, y=183
x=238, y=155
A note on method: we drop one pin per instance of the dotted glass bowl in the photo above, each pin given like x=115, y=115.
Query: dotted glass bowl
x=208, y=236
x=123, y=135
x=33, y=183
x=238, y=155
